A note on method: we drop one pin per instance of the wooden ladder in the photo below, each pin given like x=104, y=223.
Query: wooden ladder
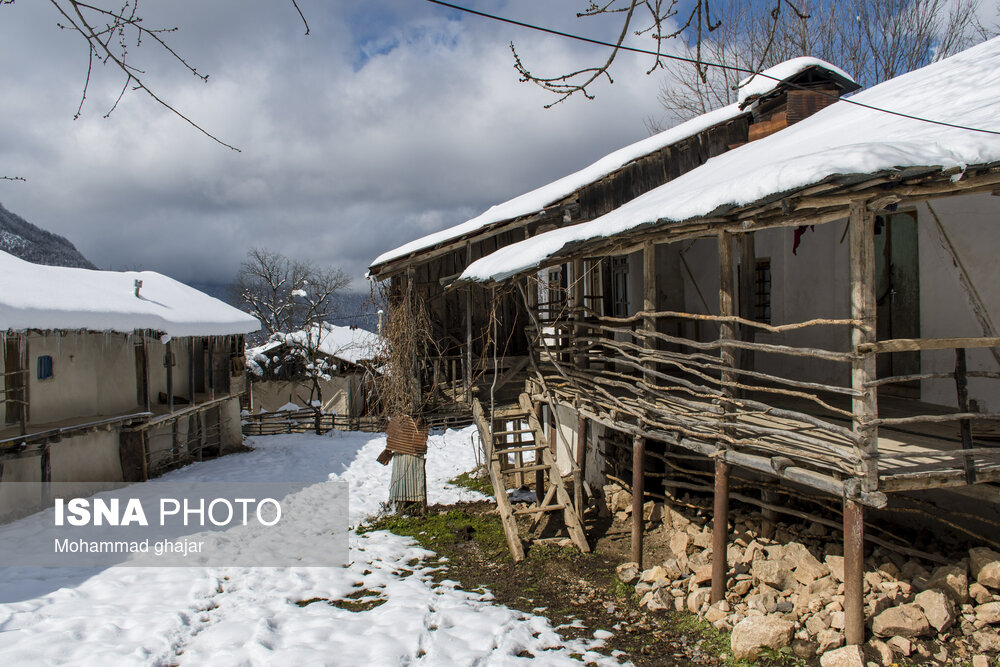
x=514, y=432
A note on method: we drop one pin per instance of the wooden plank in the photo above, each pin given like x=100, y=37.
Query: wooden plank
x=912, y=344
x=965, y=425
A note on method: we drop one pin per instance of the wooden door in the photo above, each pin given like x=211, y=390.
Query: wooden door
x=897, y=292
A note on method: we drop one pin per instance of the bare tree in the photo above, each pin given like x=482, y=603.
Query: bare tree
x=293, y=300
x=873, y=39
x=285, y=295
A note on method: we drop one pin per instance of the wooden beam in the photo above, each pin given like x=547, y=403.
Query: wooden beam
x=913, y=344
x=720, y=531
x=168, y=360
x=720, y=516
x=581, y=465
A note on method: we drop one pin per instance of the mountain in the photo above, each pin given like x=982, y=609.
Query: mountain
x=23, y=239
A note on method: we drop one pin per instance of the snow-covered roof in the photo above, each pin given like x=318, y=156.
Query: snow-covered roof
x=33, y=296
x=344, y=343
x=841, y=139
x=768, y=80
x=540, y=198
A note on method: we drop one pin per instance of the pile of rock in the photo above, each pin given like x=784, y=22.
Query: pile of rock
x=790, y=593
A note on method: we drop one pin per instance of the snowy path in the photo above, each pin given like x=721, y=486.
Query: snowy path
x=249, y=616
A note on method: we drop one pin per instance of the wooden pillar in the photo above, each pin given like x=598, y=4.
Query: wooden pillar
x=581, y=464
x=854, y=599
x=540, y=474
x=168, y=361
x=638, y=492
x=720, y=519
x=191, y=370
x=865, y=409
x=863, y=308
x=145, y=375
x=576, y=291
x=720, y=531
x=649, y=302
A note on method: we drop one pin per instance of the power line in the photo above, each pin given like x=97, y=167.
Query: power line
x=693, y=61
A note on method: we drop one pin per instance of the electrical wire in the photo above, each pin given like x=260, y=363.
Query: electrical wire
x=633, y=49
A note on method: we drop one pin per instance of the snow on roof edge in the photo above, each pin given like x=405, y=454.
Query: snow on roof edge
x=842, y=138
x=769, y=79
x=546, y=195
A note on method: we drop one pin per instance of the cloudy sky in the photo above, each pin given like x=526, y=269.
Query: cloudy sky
x=393, y=119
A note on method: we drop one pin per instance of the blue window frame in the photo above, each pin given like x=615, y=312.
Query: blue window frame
x=44, y=367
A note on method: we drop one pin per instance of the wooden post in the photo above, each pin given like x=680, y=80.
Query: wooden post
x=468, y=330
x=720, y=519
x=191, y=369
x=576, y=290
x=649, y=300
x=540, y=474
x=168, y=361
x=638, y=492
x=964, y=426
x=581, y=462
x=865, y=408
x=720, y=531
x=863, y=309
x=854, y=536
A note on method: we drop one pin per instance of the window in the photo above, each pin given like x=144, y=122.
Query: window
x=762, y=291
x=619, y=286
x=44, y=367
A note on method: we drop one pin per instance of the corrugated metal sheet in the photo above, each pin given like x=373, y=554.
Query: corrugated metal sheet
x=409, y=479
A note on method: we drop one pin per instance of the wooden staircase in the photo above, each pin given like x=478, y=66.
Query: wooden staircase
x=511, y=434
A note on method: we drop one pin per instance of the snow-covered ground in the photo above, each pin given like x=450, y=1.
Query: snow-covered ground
x=249, y=616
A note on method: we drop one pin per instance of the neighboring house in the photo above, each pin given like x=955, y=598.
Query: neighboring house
x=113, y=376
x=460, y=319
x=817, y=309
x=341, y=358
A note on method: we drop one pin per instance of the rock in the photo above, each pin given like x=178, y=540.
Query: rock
x=817, y=623
x=703, y=539
x=988, y=613
x=621, y=501
x=988, y=640
x=775, y=574
x=654, y=574
x=679, y=604
x=980, y=661
x=714, y=613
x=758, y=632
x=836, y=565
x=658, y=600
x=980, y=593
x=828, y=640
x=741, y=588
x=628, y=573
x=678, y=545
x=906, y=620
x=901, y=645
x=848, y=656
x=652, y=511
x=809, y=571
x=938, y=608
x=697, y=598
x=882, y=651
x=803, y=649
x=838, y=620
x=675, y=518
x=701, y=574
x=764, y=600
x=985, y=566
x=953, y=580
x=823, y=588
x=912, y=569
x=672, y=569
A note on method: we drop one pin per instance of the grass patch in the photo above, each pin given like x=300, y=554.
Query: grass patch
x=444, y=532
x=481, y=484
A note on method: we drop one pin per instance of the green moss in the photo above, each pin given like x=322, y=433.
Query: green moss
x=444, y=531
x=481, y=484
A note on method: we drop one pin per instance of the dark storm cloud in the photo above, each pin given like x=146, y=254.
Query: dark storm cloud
x=392, y=120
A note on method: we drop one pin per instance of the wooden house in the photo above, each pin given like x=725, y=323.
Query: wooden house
x=113, y=376
x=813, y=309
x=461, y=319
x=345, y=358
